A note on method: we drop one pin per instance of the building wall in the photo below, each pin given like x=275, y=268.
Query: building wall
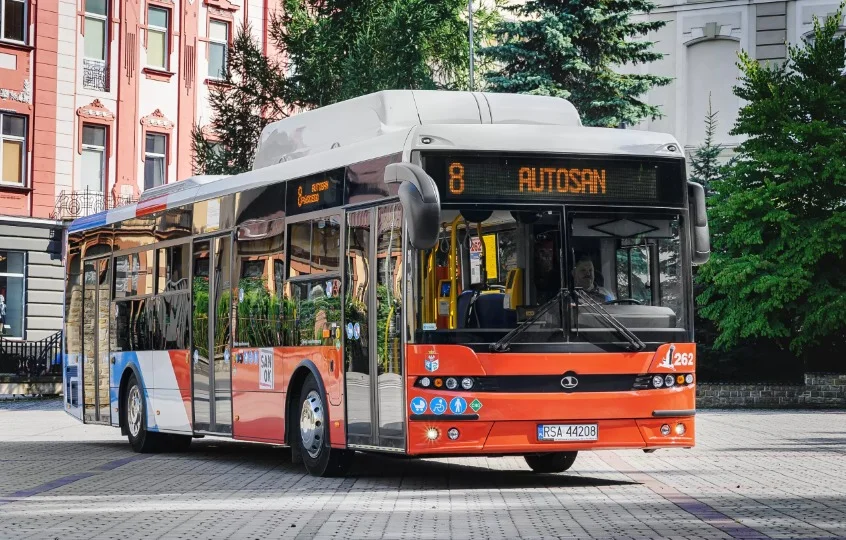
x=701, y=41
x=47, y=78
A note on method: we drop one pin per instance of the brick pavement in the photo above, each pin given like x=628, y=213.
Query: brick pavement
x=752, y=475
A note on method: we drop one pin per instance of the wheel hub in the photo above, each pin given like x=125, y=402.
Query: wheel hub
x=312, y=424
x=134, y=410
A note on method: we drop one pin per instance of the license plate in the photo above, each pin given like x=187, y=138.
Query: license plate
x=568, y=432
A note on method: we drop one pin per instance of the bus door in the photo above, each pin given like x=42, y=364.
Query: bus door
x=212, y=381
x=372, y=328
x=95, y=341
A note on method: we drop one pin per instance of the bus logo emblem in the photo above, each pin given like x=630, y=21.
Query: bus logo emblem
x=432, y=362
x=569, y=382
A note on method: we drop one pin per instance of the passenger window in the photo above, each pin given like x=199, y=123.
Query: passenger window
x=259, y=304
x=134, y=274
x=325, y=245
x=316, y=308
x=315, y=247
x=173, y=269
x=300, y=250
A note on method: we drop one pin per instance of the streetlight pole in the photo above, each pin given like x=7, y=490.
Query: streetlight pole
x=470, y=19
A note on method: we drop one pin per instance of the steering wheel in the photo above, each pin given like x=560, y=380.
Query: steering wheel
x=624, y=301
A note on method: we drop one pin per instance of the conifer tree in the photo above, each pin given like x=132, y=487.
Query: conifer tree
x=706, y=168
x=253, y=93
x=574, y=49
x=778, y=213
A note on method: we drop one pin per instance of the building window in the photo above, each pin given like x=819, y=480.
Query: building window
x=96, y=29
x=93, y=158
x=13, y=149
x=11, y=293
x=157, y=37
x=13, y=20
x=218, y=48
x=155, y=158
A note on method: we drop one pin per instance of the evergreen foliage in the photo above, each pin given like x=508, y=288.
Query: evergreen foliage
x=706, y=168
x=778, y=214
x=574, y=49
x=341, y=49
x=254, y=92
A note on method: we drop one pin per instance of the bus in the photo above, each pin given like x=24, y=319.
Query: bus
x=426, y=273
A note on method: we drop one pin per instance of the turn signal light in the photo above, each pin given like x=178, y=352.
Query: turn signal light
x=439, y=383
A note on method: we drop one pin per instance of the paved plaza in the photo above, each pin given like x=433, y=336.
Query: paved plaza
x=752, y=475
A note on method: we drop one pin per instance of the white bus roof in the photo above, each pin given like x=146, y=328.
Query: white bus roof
x=400, y=122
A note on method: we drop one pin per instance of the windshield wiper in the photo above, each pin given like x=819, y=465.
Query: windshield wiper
x=502, y=344
x=634, y=342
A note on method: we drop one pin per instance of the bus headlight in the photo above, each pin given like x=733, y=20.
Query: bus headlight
x=451, y=383
x=467, y=383
x=658, y=381
x=669, y=380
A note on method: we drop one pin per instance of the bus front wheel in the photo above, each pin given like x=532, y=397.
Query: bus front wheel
x=551, y=463
x=135, y=413
x=312, y=434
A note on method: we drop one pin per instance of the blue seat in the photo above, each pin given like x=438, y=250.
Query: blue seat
x=463, y=306
x=490, y=309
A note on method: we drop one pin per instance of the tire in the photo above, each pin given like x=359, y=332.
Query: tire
x=135, y=414
x=311, y=429
x=555, y=462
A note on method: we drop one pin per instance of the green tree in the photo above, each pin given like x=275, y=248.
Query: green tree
x=573, y=49
x=705, y=164
x=778, y=214
x=341, y=49
x=254, y=92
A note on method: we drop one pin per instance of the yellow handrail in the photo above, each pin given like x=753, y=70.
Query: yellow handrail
x=453, y=297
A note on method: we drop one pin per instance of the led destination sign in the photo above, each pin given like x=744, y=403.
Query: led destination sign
x=316, y=192
x=480, y=178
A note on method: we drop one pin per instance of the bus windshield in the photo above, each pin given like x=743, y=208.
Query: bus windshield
x=499, y=277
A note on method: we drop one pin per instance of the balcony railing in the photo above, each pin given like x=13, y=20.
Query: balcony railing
x=31, y=358
x=95, y=75
x=75, y=204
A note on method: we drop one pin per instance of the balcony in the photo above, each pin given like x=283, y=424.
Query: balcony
x=95, y=75
x=76, y=204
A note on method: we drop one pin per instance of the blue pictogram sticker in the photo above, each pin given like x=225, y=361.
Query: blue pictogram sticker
x=357, y=331
x=438, y=405
x=458, y=405
x=349, y=330
x=418, y=405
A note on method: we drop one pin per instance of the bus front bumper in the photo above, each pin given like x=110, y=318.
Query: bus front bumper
x=433, y=437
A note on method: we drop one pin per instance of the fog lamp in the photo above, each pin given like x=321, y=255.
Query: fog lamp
x=665, y=429
x=453, y=434
x=680, y=429
x=432, y=434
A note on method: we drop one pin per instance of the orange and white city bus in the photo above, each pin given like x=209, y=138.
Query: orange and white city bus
x=423, y=273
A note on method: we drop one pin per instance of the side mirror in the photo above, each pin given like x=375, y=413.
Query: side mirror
x=420, y=202
x=699, y=221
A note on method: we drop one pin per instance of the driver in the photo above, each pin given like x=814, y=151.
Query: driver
x=583, y=276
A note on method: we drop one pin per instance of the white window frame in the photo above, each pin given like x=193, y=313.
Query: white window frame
x=105, y=19
x=225, y=44
x=21, y=275
x=25, y=21
x=148, y=155
x=4, y=137
x=101, y=149
x=162, y=29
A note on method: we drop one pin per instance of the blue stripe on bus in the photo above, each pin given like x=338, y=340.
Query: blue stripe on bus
x=87, y=222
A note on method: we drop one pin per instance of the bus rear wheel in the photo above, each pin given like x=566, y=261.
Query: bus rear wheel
x=551, y=463
x=312, y=433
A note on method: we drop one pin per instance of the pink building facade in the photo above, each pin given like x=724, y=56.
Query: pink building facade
x=97, y=102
